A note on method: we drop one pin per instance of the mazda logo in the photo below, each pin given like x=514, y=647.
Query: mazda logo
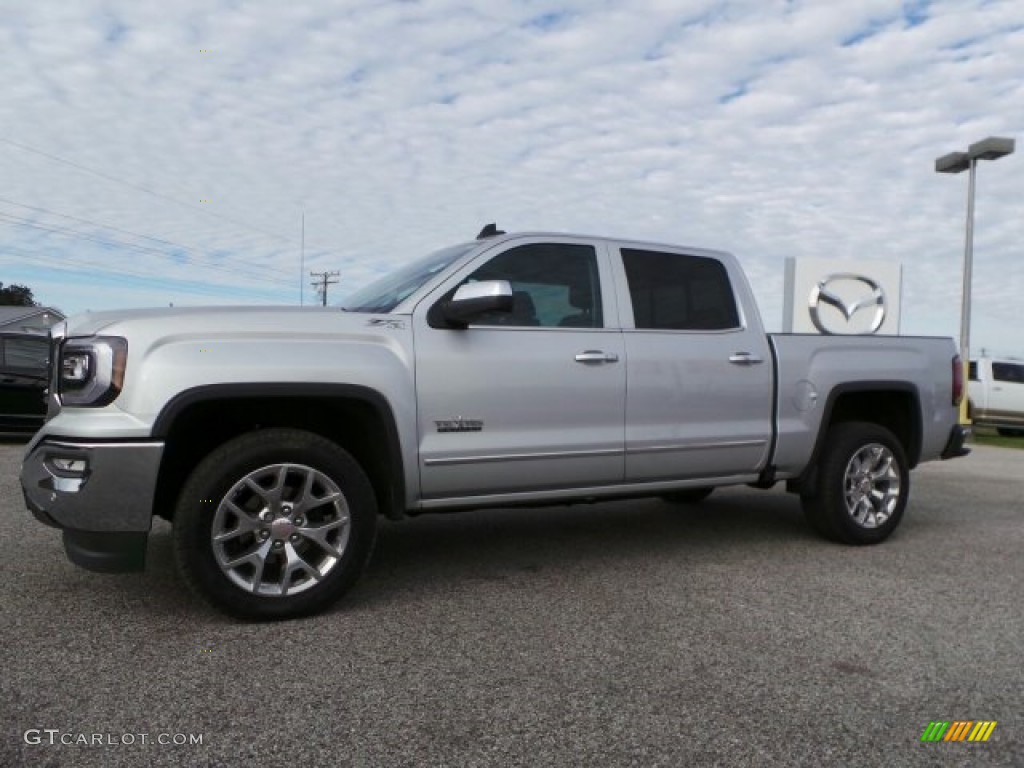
x=867, y=294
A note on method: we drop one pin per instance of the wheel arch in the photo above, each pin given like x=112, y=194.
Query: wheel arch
x=358, y=419
x=895, y=405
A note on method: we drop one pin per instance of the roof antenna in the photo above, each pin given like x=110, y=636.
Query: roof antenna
x=491, y=230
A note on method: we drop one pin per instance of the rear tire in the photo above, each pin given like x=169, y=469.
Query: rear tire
x=274, y=524
x=862, y=485
x=688, y=496
x=1010, y=432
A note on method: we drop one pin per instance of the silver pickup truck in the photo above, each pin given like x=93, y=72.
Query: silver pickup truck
x=520, y=369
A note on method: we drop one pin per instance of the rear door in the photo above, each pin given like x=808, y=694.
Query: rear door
x=699, y=376
x=532, y=400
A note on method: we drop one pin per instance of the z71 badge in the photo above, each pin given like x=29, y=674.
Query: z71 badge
x=382, y=322
x=459, y=425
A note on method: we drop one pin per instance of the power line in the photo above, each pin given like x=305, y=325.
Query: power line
x=323, y=282
x=121, y=275
x=77, y=235
x=140, y=188
x=131, y=233
x=129, y=277
x=154, y=193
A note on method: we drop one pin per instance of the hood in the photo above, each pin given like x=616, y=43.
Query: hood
x=217, y=321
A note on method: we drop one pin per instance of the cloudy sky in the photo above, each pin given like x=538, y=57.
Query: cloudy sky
x=156, y=152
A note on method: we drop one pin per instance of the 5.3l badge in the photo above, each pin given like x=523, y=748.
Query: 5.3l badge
x=459, y=424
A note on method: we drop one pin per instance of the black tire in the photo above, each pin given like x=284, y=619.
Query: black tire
x=321, y=508
x=1010, y=432
x=862, y=485
x=688, y=496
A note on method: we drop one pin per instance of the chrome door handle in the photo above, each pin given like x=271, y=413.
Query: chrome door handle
x=596, y=356
x=745, y=358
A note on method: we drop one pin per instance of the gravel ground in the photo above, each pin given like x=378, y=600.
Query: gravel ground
x=619, y=634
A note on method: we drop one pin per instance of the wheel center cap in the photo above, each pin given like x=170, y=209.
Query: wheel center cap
x=282, y=528
x=865, y=486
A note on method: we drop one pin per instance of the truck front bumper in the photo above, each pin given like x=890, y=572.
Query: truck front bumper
x=100, y=494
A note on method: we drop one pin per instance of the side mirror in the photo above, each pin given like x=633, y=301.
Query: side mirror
x=473, y=299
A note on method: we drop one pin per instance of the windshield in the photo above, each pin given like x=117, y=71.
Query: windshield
x=388, y=292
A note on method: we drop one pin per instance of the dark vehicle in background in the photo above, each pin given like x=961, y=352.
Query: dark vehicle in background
x=24, y=362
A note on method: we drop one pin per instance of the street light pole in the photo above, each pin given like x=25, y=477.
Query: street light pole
x=991, y=148
x=965, y=299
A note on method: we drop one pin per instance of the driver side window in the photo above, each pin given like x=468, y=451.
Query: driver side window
x=554, y=285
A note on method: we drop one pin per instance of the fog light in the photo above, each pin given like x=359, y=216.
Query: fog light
x=68, y=466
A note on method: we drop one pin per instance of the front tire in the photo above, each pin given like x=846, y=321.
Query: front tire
x=862, y=485
x=274, y=524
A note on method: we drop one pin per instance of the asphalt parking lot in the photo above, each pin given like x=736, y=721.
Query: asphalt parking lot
x=620, y=634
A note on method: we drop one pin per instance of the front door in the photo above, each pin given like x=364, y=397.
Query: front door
x=532, y=399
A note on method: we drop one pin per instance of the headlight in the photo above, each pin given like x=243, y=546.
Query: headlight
x=91, y=371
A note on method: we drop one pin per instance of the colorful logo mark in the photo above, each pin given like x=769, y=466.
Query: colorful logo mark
x=958, y=730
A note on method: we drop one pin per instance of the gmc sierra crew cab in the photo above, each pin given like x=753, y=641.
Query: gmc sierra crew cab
x=516, y=369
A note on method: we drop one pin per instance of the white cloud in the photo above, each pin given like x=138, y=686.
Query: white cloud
x=772, y=129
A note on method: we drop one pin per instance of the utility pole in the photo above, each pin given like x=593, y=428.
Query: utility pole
x=302, y=262
x=323, y=280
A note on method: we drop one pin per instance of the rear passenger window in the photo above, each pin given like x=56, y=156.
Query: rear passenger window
x=671, y=291
x=1008, y=372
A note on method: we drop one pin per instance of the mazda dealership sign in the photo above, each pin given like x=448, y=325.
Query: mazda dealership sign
x=842, y=297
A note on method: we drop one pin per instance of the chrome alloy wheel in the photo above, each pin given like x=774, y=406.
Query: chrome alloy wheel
x=280, y=529
x=871, y=485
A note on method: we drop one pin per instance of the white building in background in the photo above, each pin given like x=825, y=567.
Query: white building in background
x=28, y=319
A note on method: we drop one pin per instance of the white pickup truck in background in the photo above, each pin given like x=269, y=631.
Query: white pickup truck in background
x=996, y=395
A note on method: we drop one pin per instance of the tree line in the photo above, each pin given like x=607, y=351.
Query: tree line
x=15, y=295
